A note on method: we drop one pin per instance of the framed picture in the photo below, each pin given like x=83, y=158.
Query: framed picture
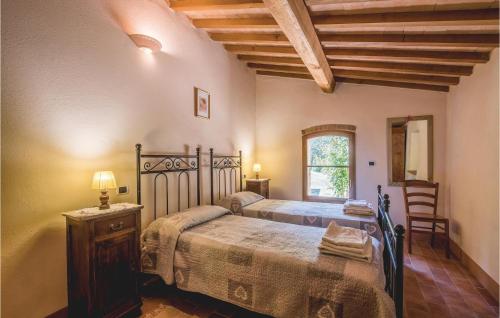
x=201, y=103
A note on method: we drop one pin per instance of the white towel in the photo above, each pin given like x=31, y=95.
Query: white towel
x=365, y=256
x=359, y=211
x=356, y=203
x=345, y=236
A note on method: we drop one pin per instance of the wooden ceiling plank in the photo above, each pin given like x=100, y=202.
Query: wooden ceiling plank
x=294, y=19
x=262, y=50
x=413, y=68
x=284, y=74
x=438, y=88
x=483, y=16
x=242, y=23
x=209, y=5
x=280, y=68
x=409, y=68
x=480, y=40
x=253, y=38
x=410, y=78
x=439, y=56
x=294, y=61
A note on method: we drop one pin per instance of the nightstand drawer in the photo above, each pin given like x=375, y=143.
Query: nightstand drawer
x=117, y=224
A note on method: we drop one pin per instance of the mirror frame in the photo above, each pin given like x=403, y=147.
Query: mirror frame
x=430, y=145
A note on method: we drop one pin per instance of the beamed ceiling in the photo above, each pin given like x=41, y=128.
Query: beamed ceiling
x=419, y=44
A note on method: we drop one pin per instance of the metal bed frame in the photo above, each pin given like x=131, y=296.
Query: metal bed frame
x=162, y=164
x=393, y=252
x=221, y=164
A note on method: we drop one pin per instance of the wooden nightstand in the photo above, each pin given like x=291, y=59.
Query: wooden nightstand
x=103, y=261
x=259, y=186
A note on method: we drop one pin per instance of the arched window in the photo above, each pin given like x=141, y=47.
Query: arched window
x=328, y=163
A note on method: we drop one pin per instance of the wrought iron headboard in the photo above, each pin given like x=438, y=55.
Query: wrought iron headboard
x=393, y=251
x=220, y=164
x=161, y=165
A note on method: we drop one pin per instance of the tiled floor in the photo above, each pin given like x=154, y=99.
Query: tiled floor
x=434, y=287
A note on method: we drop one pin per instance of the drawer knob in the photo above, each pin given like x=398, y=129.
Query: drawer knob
x=116, y=227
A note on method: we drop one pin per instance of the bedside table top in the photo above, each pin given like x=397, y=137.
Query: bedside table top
x=94, y=212
x=258, y=180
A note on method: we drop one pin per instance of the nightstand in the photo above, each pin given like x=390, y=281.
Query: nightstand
x=259, y=186
x=103, y=261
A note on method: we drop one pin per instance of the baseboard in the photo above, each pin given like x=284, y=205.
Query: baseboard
x=482, y=277
x=61, y=313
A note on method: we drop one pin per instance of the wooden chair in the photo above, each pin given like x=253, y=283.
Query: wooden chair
x=421, y=195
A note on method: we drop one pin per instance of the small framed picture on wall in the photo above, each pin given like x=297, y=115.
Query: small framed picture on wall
x=201, y=103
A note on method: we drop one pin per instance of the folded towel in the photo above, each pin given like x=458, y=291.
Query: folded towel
x=356, y=203
x=359, y=211
x=345, y=236
x=366, y=255
x=354, y=250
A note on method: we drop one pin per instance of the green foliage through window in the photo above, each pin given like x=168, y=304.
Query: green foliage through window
x=328, y=161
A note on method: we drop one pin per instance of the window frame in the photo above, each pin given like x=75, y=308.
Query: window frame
x=329, y=130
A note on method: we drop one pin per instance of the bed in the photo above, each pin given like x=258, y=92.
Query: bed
x=227, y=191
x=268, y=267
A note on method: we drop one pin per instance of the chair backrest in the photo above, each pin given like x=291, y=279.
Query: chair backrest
x=421, y=193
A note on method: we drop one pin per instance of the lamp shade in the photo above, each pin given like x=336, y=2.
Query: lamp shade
x=256, y=167
x=103, y=180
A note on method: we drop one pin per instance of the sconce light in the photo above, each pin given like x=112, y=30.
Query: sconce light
x=146, y=43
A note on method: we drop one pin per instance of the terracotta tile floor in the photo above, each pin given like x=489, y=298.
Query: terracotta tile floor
x=434, y=287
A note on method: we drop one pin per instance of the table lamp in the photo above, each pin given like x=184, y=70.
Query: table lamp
x=102, y=181
x=256, y=169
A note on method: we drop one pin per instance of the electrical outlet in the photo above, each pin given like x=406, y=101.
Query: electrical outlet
x=371, y=163
x=122, y=190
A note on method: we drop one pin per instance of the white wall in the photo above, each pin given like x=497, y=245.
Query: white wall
x=77, y=95
x=285, y=106
x=473, y=166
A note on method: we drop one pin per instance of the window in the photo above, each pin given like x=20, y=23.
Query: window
x=328, y=163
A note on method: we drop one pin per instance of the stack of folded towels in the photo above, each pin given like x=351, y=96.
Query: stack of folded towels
x=358, y=207
x=347, y=242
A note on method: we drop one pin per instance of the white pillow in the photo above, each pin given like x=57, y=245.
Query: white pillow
x=236, y=201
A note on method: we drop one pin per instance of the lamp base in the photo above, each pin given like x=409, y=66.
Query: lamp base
x=104, y=198
x=257, y=175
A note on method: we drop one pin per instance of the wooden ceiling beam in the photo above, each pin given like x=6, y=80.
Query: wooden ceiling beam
x=396, y=77
x=476, y=40
x=251, y=38
x=271, y=60
x=358, y=74
x=262, y=50
x=374, y=6
x=212, y=5
x=428, y=87
x=438, y=88
x=295, y=22
x=413, y=68
x=284, y=74
x=452, y=17
x=241, y=23
x=279, y=68
x=408, y=55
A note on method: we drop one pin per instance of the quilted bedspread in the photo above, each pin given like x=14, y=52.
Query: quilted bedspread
x=267, y=267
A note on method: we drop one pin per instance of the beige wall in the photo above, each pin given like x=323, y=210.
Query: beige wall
x=285, y=106
x=473, y=166
x=76, y=96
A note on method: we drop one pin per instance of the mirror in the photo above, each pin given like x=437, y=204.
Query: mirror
x=409, y=149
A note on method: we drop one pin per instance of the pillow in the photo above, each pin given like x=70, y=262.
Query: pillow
x=236, y=201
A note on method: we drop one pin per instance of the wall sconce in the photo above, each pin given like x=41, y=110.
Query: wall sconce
x=146, y=43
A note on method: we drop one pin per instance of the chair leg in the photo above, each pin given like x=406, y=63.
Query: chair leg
x=433, y=235
x=447, y=233
x=408, y=225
